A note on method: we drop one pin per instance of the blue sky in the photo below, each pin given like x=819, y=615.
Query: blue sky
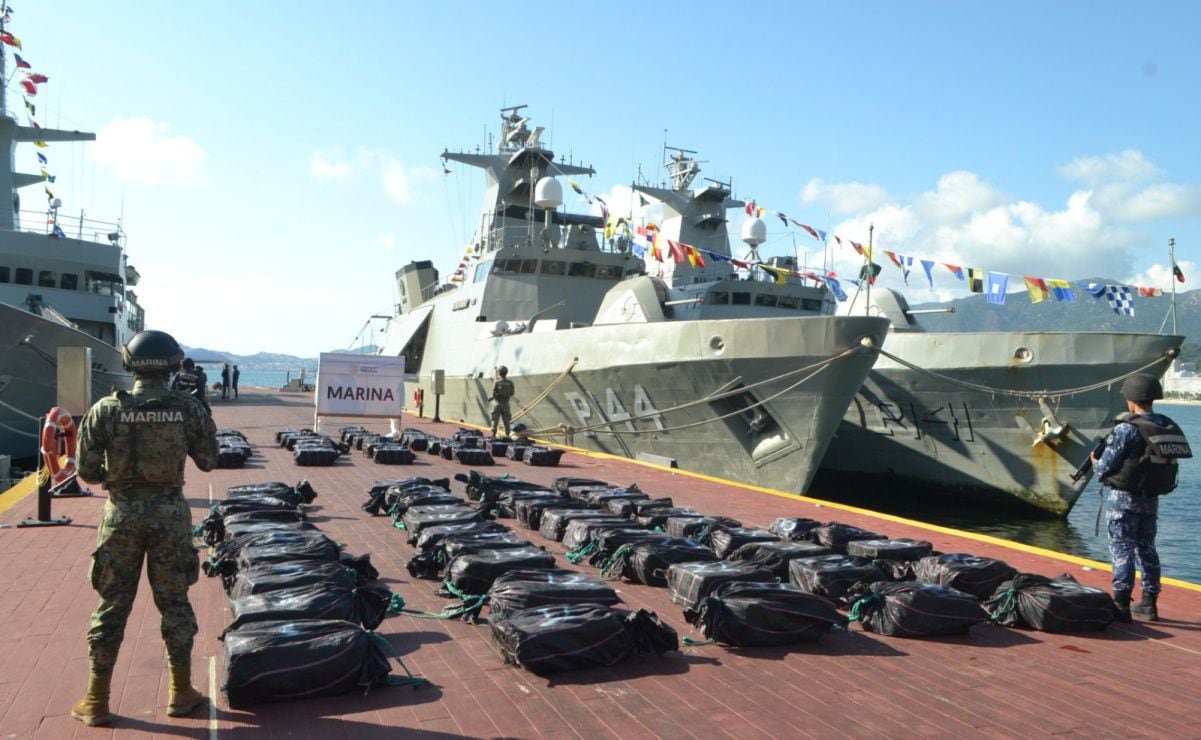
x=275, y=163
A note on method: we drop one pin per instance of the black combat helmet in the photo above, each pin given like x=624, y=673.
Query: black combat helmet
x=151, y=352
x=1142, y=387
x=502, y=371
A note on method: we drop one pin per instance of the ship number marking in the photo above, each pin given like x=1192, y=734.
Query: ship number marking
x=615, y=410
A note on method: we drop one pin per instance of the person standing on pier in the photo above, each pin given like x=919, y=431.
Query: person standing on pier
x=502, y=391
x=1137, y=467
x=135, y=444
x=225, y=380
x=234, y=376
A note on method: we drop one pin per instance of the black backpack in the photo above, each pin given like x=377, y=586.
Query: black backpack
x=1157, y=468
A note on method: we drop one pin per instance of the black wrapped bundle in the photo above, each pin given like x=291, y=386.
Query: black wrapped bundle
x=301, y=659
x=213, y=528
x=473, y=456
x=516, y=451
x=837, y=535
x=469, y=438
x=395, y=495
x=795, y=529
x=529, y=512
x=970, y=574
x=555, y=521
x=917, y=610
x=1051, y=604
x=775, y=556
x=658, y=516
x=833, y=576
x=433, y=497
x=365, y=605
x=564, y=484
x=489, y=489
x=903, y=549
x=275, y=576
x=580, y=532
x=274, y=490
x=347, y=434
x=551, y=639
x=498, y=447
x=260, y=551
x=647, y=562
x=699, y=528
x=258, y=503
x=688, y=583
x=253, y=526
x=758, y=614
x=473, y=573
x=393, y=455
x=315, y=455
x=431, y=536
x=225, y=557
x=609, y=541
x=429, y=563
x=506, y=506
x=419, y=518
x=527, y=589
x=602, y=497
x=633, y=507
x=543, y=457
x=726, y=540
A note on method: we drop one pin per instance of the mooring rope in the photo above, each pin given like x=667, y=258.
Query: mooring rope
x=554, y=384
x=1058, y=393
x=606, y=427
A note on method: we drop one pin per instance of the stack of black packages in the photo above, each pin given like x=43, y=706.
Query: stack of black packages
x=551, y=639
x=232, y=448
x=310, y=448
x=384, y=496
x=302, y=608
x=980, y=577
x=747, y=614
x=690, y=583
x=1051, y=604
x=544, y=457
x=415, y=439
x=916, y=610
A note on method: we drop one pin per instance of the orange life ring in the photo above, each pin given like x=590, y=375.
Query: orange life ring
x=418, y=396
x=58, y=439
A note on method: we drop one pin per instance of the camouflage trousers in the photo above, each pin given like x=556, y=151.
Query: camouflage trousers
x=1132, y=523
x=501, y=413
x=155, y=525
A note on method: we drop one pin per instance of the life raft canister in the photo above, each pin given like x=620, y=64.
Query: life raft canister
x=59, y=438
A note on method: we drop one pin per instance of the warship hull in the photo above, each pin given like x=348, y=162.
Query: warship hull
x=29, y=377
x=926, y=432
x=751, y=400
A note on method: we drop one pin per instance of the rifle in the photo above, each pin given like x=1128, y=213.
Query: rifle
x=1086, y=467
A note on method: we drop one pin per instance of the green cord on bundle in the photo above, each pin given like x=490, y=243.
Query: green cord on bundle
x=411, y=680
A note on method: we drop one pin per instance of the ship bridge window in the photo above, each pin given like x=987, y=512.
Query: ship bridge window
x=811, y=304
x=582, y=269
x=515, y=267
x=24, y=276
x=69, y=281
x=742, y=299
x=528, y=267
x=46, y=279
x=718, y=297
x=553, y=267
x=609, y=272
x=481, y=271
x=4, y=275
x=765, y=299
x=790, y=301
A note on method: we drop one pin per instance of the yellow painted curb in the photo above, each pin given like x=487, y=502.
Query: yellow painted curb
x=17, y=493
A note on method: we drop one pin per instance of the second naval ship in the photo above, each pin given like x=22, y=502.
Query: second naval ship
x=596, y=350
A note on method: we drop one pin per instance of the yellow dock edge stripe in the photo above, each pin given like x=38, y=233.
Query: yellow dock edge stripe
x=17, y=493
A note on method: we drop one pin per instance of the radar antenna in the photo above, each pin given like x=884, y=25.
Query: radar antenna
x=513, y=130
x=681, y=167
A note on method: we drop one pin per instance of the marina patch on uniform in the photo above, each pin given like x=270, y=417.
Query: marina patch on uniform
x=137, y=417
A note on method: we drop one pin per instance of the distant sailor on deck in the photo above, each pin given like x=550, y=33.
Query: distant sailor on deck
x=502, y=391
x=1137, y=467
x=136, y=444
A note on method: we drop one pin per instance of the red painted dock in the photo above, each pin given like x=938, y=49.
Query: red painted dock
x=1130, y=680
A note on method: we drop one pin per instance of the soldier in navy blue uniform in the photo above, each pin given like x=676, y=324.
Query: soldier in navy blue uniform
x=1137, y=466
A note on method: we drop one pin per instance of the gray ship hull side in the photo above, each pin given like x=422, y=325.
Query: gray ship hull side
x=28, y=375
x=660, y=370
x=907, y=430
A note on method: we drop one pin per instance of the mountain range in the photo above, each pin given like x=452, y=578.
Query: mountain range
x=972, y=313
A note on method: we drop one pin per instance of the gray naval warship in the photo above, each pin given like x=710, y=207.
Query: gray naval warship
x=599, y=351
x=984, y=417
x=64, y=282
x=978, y=418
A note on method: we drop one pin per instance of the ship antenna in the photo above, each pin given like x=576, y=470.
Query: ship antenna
x=1172, y=255
x=867, y=300
x=3, y=65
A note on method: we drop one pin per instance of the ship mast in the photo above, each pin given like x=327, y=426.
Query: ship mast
x=1172, y=279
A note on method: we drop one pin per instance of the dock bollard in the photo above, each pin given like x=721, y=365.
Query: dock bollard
x=44, y=519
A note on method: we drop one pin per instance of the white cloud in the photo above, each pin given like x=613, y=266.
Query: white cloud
x=1159, y=201
x=842, y=198
x=1160, y=276
x=402, y=183
x=143, y=152
x=957, y=196
x=1129, y=165
x=329, y=166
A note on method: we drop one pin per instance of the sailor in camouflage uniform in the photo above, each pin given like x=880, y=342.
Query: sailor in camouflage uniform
x=502, y=391
x=1133, y=513
x=136, y=444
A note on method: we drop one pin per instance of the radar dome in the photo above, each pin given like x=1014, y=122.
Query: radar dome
x=754, y=231
x=548, y=193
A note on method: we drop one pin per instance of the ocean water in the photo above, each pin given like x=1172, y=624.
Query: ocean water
x=1179, y=540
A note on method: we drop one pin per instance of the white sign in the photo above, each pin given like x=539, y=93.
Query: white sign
x=360, y=385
